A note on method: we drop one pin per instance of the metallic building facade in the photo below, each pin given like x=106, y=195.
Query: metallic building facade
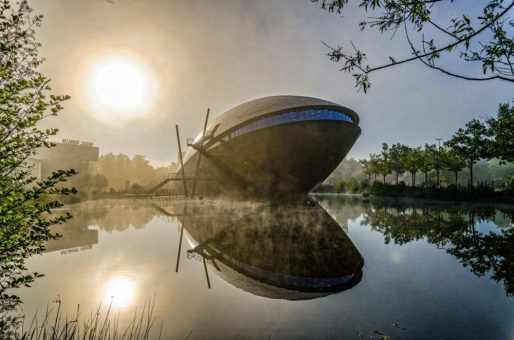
x=273, y=146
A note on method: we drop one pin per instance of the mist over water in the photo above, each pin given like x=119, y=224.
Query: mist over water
x=327, y=267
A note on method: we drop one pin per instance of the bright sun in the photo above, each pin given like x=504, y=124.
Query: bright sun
x=120, y=88
x=119, y=83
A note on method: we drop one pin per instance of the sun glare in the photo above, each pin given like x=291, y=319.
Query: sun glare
x=120, y=88
x=119, y=83
x=119, y=291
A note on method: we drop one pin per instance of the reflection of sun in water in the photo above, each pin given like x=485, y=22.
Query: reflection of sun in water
x=119, y=290
x=120, y=87
x=397, y=256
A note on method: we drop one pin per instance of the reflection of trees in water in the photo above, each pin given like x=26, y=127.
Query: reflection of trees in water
x=351, y=209
x=488, y=252
x=112, y=216
x=453, y=228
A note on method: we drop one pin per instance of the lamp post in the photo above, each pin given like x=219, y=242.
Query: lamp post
x=439, y=142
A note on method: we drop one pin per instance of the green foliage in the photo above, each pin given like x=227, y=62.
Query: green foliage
x=501, y=129
x=484, y=38
x=397, y=154
x=471, y=144
x=348, y=168
x=453, y=161
x=351, y=186
x=381, y=163
x=55, y=324
x=136, y=186
x=481, y=192
x=492, y=140
x=89, y=181
x=413, y=161
x=24, y=101
x=120, y=169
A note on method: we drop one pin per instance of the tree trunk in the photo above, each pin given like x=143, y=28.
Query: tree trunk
x=456, y=178
x=471, y=173
x=438, y=181
x=426, y=179
x=384, y=176
x=396, y=177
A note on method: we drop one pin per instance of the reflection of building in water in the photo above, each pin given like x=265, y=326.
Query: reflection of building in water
x=287, y=252
x=74, y=238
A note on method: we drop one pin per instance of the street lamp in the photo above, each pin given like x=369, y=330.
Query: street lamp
x=439, y=142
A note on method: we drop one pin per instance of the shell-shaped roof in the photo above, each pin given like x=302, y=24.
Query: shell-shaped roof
x=272, y=105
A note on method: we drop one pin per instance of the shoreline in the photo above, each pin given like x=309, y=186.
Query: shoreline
x=410, y=199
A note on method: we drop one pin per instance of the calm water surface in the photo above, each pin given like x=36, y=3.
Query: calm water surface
x=329, y=268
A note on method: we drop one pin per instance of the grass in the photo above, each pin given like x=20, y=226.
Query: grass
x=55, y=325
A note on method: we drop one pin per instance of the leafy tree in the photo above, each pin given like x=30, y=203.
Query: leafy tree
x=366, y=168
x=427, y=160
x=413, y=162
x=24, y=101
x=476, y=38
x=437, y=158
x=374, y=165
x=501, y=129
x=347, y=169
x=383, y=162
x=100, y=182
x=454, y=162
x=471, y=144
x=89, y=181
x=119, y=169
x=397, y=153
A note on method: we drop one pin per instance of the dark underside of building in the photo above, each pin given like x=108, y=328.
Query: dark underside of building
x=273, y=146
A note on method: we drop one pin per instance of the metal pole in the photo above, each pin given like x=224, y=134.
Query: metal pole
x=181, y=162
x=184, y=211
x=179, y=246
x=206, y=271
x=199, y=153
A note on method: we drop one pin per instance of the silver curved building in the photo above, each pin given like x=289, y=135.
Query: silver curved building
x=272, y=146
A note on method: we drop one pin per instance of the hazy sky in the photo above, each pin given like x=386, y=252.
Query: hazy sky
x=219, y=54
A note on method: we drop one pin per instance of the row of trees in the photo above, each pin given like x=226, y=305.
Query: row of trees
x=115, y=171
x=493, y=138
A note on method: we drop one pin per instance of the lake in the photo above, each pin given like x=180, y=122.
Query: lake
x=331, y=267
